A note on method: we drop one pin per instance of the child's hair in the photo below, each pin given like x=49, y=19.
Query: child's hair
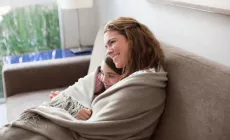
x=111, y=64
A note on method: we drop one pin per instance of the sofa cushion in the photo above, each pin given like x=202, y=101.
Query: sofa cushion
x=16, y=104
x=198, y=98
x=99, y=50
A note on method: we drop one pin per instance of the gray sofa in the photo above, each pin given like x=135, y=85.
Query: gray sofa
x=198, y=91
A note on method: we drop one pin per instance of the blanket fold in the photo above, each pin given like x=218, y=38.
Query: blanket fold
x=130, y=109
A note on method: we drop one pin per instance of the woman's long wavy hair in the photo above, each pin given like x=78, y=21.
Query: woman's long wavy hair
x=144, y=49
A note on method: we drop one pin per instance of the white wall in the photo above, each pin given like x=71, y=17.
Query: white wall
x=20, y=3
x=4, y=3
x=200, y=32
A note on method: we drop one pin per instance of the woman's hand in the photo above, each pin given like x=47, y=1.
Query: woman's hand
x=84, y=114
x=53, y=94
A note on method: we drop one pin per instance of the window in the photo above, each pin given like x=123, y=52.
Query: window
x=28, y=29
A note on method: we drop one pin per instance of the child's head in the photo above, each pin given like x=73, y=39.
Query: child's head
x=109, y=73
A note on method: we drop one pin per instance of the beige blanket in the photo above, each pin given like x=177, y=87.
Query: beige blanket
x=129, y=110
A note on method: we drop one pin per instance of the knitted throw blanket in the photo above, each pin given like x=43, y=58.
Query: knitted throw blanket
x=129, y=110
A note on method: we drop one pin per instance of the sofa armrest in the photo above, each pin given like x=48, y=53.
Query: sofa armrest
x=32, y=76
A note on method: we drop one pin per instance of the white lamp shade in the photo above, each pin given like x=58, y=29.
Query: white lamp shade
x=75, y=4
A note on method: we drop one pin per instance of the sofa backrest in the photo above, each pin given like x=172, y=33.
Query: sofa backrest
x=198, y=95
x=198, y=98
x=99, y=51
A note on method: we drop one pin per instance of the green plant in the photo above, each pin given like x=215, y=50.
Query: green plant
x=29, y=29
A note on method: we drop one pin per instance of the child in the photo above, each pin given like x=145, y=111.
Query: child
x=108, y=76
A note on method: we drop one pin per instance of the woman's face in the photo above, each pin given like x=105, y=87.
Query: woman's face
x=108, y=76
x=117, y=47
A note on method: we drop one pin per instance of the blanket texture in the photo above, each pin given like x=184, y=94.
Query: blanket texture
x=129, y=110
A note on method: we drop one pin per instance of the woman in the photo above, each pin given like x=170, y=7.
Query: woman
x=130, y=109
x=132, y=46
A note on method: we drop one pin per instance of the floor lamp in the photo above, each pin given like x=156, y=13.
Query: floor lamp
x=76, y=4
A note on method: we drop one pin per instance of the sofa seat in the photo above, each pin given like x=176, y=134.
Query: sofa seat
x=17, y=103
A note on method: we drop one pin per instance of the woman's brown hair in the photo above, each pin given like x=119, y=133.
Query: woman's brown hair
x=144, y=49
